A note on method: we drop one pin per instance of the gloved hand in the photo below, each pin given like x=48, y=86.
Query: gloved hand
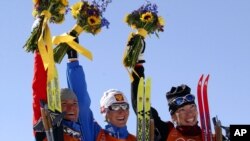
x=132, y=42
x=71, y=52
x=140, y=57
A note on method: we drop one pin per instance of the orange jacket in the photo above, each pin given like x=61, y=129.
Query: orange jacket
x=102, y=136
x=67, y=138
x=175, y=135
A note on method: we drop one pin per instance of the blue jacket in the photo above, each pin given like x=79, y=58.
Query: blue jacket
x=89, y=127
x=76, y=82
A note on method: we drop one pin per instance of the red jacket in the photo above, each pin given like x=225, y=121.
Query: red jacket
x=39, y=86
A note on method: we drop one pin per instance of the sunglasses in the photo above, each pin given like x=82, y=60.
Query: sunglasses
x=180, y=100
x=116, y=107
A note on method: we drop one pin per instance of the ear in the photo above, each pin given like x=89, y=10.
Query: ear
x=102, y=110
x=106, y=117
x=174, y=118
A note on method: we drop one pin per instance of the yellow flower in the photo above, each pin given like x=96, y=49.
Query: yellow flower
x=97, y=31
x=133, y=26
x=161, y=20
x=35, y=1
x=76, y=8
x=60, y=21
x=62, y=10
x=147, y=17
x=126, y=18
x=65, y=2
x=34, y=13
x=93, y=20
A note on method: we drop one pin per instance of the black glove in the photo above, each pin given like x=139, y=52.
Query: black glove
x=71, y=52
x=132, y=43
x=140, y=57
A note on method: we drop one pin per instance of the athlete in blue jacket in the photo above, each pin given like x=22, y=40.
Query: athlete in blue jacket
x=112, y=109
x=76, y=82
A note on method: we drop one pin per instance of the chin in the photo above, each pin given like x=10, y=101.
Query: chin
x=192, y=124
x=121, y=125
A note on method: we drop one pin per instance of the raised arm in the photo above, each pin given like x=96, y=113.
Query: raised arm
x=76, y=82
x=161, y=128
x=39, y=92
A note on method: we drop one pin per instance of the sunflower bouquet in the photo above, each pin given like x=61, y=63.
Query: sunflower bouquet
x=145, y=21
x=89, y=19
x=44, y=11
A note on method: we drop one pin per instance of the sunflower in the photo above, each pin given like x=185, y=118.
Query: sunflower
x=89, y=19
x=146, y=21
x=51, y=10
x=62, y=10
x=65, y=2
x=35, y=1
x=93, y=20
x=76, y=8
x=161, y=21
x=147, y=17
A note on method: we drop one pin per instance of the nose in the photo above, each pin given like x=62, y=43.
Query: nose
x=121, y=111
x=71, y=106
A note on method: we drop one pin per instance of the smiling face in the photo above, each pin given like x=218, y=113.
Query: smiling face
x=71, y=109
x=186, y=115
x=118, y=118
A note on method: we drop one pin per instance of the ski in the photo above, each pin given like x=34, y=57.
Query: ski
x=200, y=105
x=204, y=109
x=147, y=106
x=140, y=110
x=143, y=110
x=53, y=94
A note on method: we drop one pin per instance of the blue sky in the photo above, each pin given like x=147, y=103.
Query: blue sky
x=209, y=37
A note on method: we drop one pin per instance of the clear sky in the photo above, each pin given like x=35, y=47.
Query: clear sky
x=200, y=37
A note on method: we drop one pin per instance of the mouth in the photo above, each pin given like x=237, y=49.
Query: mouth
x=191, y=121
x=121, y=118
x=71, y=115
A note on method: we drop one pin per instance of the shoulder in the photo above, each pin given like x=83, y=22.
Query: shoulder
x=170, y=125
x=131, y=137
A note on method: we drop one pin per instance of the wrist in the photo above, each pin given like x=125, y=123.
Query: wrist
x=72, y=59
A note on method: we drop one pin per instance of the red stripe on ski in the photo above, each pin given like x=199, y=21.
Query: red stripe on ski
x=201, y=108
x=202, y=96
x=206, y=109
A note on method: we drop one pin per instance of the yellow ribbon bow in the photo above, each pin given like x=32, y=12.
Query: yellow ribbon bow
x=66, y=38
x=143, y=33
x=45, y=47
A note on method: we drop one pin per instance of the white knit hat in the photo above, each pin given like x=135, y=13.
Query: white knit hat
x=110, y=97
x=67, y=93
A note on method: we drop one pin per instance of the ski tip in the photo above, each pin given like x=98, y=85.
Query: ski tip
x=141, y=78
x=206, y=80
x=200, y=80
x=149, y=79
x=201, y=77
x=207, y=77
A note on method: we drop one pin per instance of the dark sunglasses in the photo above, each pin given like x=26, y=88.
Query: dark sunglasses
x=180, y=100
x=116, y=107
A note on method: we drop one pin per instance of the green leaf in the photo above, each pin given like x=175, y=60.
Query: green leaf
x=60, y=51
